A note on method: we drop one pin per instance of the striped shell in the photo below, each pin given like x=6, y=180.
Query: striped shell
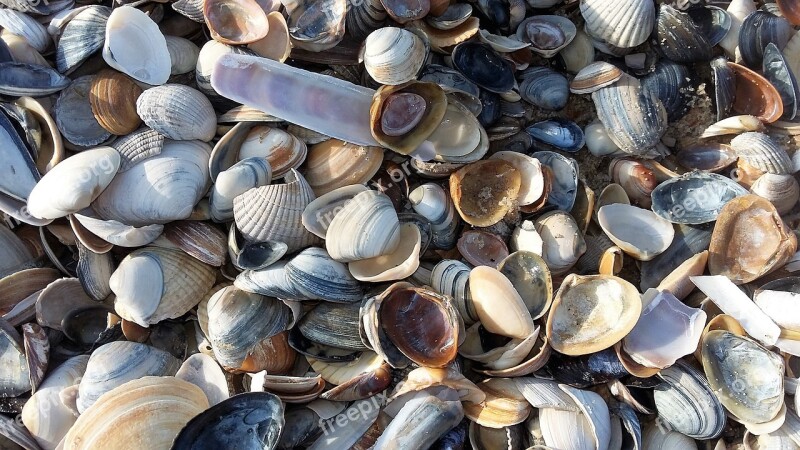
x=26, y=26
x=113, y=96
x=366, y=227
x=178, y=112
x=137, y=146
x=393, y=55
x=621, y=23
x=761, y=152
x=83, y=35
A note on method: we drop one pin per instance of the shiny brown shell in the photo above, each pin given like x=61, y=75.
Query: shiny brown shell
x=112, y=96
x=755, y=95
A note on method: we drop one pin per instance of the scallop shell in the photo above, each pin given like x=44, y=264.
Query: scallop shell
x=624, y=24
x=178, y=112
x=176, y=283
x=760, y=151
x=82, y=36
x=74, y=184
x=140, y=413
x=159, y=189
x=274, y=212
x=333, y=164
x=366, y=227
x=112, y=97
x=117, y=363
x=137, y=146
x=393, y=56
x=135, y=46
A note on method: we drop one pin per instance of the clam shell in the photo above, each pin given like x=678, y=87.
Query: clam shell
x=782, y=190
x=155, y=407
x=688, y=404
x=74, y=184
x=366, y=227
x=504, y=182
x=58, y=299
x=332, y=324
x=548, y=34
x=26, y=26
x=724, y=86
x=545, y=88
x=118, y=233
x=531, y=278
x=393, y=56
x=755, y=95
x=592, y=313
x=274, y=212
x=20, y=175
x=397, y=265
x=192, y=9
x=490, y=289
x=178, y=112
x=637, y=180
x=451, y=278
x=480, y=64
x=94, y=272
x=74, y=115
x=749, y=240
x=595, y=76
x=734, y=125
x=579, y=53
x=760, y=151
x=639, y=232
x=16, y=373
x=176, y=284
x=422, y=420
x=235, y=22
x=481, y=248
x=563, y=242
x=117, y=363
x=428, y=120
x=313, y=31
x=159, y=189
x=679, y=39
x=51, y=150
x=434, y=203
x=202, y=240
x=247, y=174
x=317, y=276
x=183, y=54
x=709, y=156
x=626, y=24
x=112, y=97
x=202, y=371
x=504, y=405
x=673, y=85
x=276, y=45
x=319, y=213
x=333, y=164
x=138, y=145
x=136, y=47
x=82, y=36
x=758, y=30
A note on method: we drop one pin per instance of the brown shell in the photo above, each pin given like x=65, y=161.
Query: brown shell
x=749, y=240
x=333, y=164
x=482, y=248
x=790, y=10
x=436, y=105
x=202, y=240
x=113, y=96
x=19, y=285
x=235, y=22
x=755, y=95
x=485, y=191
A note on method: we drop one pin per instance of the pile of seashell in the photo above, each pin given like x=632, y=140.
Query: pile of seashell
x=263, y=224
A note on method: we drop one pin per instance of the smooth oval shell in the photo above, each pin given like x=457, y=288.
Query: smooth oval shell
x=592, y=313
x=135, y=46
x=639, y=232
x=333, y=164
x=235, y=21
x=483, y=66
x=531, y=278
x=713, y=157
x=397, y=265
x=112, y=96
x=782, y=190
x=483, y=192
x=755, y=95
x=563, y=241
x=74, y=116
x=595, y=76
x=481, y=248
x=678, y=38
x=694, y=198
x=499, y=306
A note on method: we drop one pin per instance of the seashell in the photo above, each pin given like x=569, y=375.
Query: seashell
x=624, y=25
x=451, y=278
x=459, y=138
x=74, y=184
x=734, y=125
x=694, y=198
x=453, y=16
x=240, y=322
x=137, y=146
x=482, y=65
x=316, y=276
x=781, y=190
x=289, y=389
x=677, y=282
x=489, y=289
x=270, y=281
x=117, y=233
x=313, y=30
x=282, y=150
x=563, y=241
x=547, y=34
x=82, y=36
x=117, y=363
x=435, y=204
x=334, y=325
x=364, y=18
x=329, y=94
x=760, y=151
x=679, y=39
x=178, y=112
x=529, y=275
x=639, y=232
x=595, y=76
x=74, y=115
x=233, y=23
x=333, y=164
x=789, y=11
x=16, y=374
x=58, y=299
x=366, y=227
x=592, y=313
x=501, y=44
x=423, y=419
x=753, y=220
x=136, y=409
x=598, y=141
x=397, y=265
x=112, y=97
x=755, y=95
x=319, y=213
x=402, y=117
x=183, y=54
x=135, y=46
x=504, y=182
x=481, y=248
x=724, y=86
x=393, y=56
x=688, y=404
x=661, y=438
x=636, y=179
x=713, y=22
x=777, y=71
x=545, y=88
x=526, y=238
x=706, y=156
x=151, y=192
x=210, y=52
x=51, y=149
x=27, y=27
x=94, y=272
x=673, y=85
x=247, y=174
x=21, y=79
x=759, y=29
x=530, y=169
x=403, y=12
x=504, y=405
x=201, y=240
x=578, y=54
x=253, y=256
x=277, y=44
x=177, y=283
x=664, y=318
x=21, y=284
x=637, y=126
x=202, y=371
x=192, y=9
x=731, y=363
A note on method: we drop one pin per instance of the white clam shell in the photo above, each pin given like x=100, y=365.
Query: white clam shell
x=782, y=190
x=241, y=177
x=393, y=55
x=532, y=187
x=397, y=265
x=74, y=184
x=622, y=23
x=202, y=371
x=183, y=54
x=563, y=241
x=638, y=232
x=118, y=233
x=319, y=213
x=178, y=112
x=135, y=46
x=366, y=227
x=432, y=202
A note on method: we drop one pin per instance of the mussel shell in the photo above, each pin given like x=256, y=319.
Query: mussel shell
x=544, y=87
x=724, y=86
x=562, y=134
x=777, y=71
x=759, y=29
x=586, y=370
x=21, y=79
x=713, y=21
x=708, y=156
x=482, y=65
x=694, y=198
x=679, y=39
x=673, y=85
x=248, y=421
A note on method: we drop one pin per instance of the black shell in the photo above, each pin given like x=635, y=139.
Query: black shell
x=483, y=66
x=586, y=370
x=777, y=71
x=713, y=21
x=20, y=79
x=679, y=39
x=724, y=86
x=759, y=29
x=673, y=85
x=689, y=240
x=545, y=88
x=558, y=133
x=445, y=76
x=491, y=110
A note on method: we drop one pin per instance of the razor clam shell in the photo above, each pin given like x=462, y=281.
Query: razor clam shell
x=178, y=112
x=82, y=36
x=274, y=212
x=135, y=46
x=137, y=146
x=624, y=24
x=366, y=227
x=317, y=276
x=26, y=26
x=687, y=402
x=334, y=325
x=633, y=116
x=116, y=363
x=74, y=116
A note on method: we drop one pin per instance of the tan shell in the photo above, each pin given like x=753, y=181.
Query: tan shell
x=782, y=190
x=504, y=405
x=333, y=164
x=144, y=413
x=113, y=98
x=397, y=265
x=435, y=107
x=201, y=240
x=282, y=150
x=16, y=287
x=499, y=306
x=443, y=41
x=176, y=282
x=749, y=240
x=274, y=212
x=485, y=191
x=276, y=44
x=235, y=21
x=592, y=313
